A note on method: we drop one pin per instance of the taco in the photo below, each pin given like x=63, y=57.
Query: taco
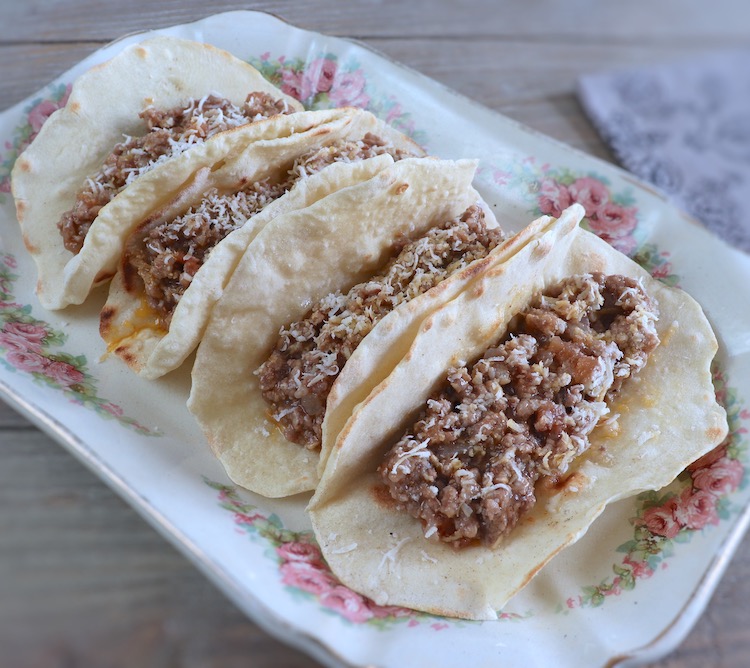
x=177, y=261
x=124, y=118
x=558, y=381
x=316, y=309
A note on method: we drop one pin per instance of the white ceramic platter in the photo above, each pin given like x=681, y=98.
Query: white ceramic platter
x=628, y=591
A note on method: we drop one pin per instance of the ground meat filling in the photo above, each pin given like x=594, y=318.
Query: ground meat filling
x=168, y=133
x=467, y=468
x=170, y=253
x=309, y=354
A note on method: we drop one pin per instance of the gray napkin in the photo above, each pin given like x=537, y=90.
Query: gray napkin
x=685, y=128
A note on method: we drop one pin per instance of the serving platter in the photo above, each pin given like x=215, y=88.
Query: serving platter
x=627, y=592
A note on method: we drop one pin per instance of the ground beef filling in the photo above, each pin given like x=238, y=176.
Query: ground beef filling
x=168, y=133
x=309, y=354
x=167, y=255
x=467, y=468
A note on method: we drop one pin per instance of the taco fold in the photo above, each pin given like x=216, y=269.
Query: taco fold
x=124, y=118
x=316, y=309
x=479, y=458
x=177, y=261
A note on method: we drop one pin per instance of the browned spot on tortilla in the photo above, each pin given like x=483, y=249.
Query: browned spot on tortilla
x=401, y=189
x=427, y=324
x=321, y=131
x=538, y=567
x=497, y=270
x=382, y=496
x=75, y=107
x=141, y=52
x=573, y=483
x=23, y=164
x=29, y=246
x=478, y=289
x=474, y=269
x=123, y=352
x=715, y=434
x=130, y=278
x=541, y=249
x=105, y=320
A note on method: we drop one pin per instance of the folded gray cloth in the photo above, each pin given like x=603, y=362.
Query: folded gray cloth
x=685, y=128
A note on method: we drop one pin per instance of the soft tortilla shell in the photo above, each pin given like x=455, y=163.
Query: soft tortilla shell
x=294, y=261
x=384, y=346
x=153, y=352
x=103, y=106
x=668, y=418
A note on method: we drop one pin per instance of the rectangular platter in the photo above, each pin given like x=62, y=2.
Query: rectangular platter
x=630, y=589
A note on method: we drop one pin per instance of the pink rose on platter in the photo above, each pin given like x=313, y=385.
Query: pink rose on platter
x=63, y=373
x=113, y=409
x=347, y=603
x=661, y=520
x=42, y=111
x=30, y=332
x=615, y=224
x=321, y=74
x=307, y=577
x=296, y=84
x=393, y=113
x=640, y=569
x=662, y=271
x=615, y=589
x=722, y=477
x=590, y=193
x=296, y=551
x=243, y=518
x=697, y=509
x=5, y=185
x=390, y=611
x=28, y=361
x=348, y=90
x=709, y=458
x=553, y=197
x=573, y=602
x=13, y=341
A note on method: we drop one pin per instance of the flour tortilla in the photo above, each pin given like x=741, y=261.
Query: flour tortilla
x=384, y=346
x=128, y=324
x=103, y=106
x=296, y=260
x=668, y=418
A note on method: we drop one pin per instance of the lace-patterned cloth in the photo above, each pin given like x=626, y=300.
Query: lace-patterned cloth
x=686, y=129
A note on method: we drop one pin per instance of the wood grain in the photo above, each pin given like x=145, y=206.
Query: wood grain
x=83, y=580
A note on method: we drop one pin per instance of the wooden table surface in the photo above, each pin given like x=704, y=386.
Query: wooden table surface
x=83, y=580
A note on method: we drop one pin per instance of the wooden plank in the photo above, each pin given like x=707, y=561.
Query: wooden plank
x=637, y=22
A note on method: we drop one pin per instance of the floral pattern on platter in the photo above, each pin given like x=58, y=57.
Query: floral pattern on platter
x=305, y=574
x=34, y=116
x=325, y=83
x=29, y=344
x=700, y=498
x=612, y=215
